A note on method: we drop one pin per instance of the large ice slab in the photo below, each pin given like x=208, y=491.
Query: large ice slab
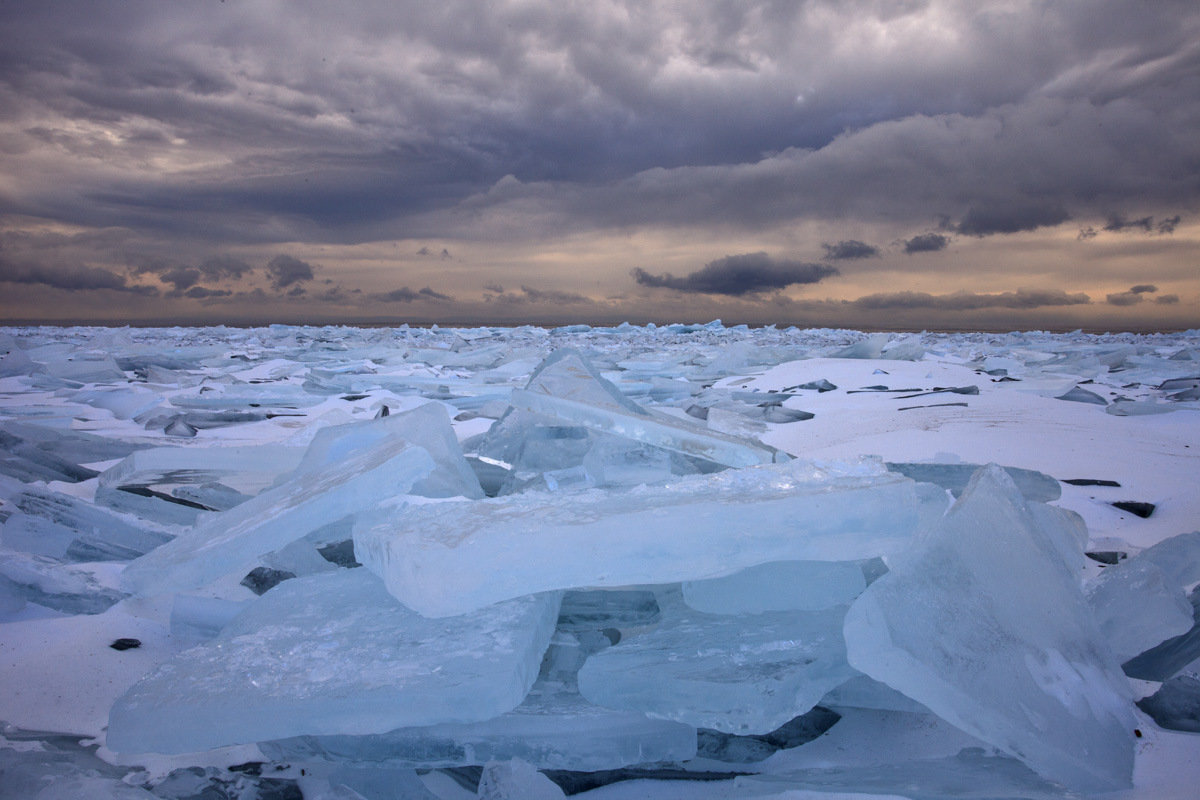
x=986, y=625
x=459, y=556
x=738, y=674
x=554, y=728
x=234, y=539
x=334, y=654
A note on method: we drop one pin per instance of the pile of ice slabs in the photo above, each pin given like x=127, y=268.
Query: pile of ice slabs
x=638, y=586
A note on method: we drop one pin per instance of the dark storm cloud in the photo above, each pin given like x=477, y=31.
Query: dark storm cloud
x=926, y=243
x=69, y=277
x=531, y=296
x=224, y=120
x=739, y=275
x=1118, y=223
x=202, y=293
x=1167, y=299
x=1168, y=225
x=1133, y=296
x=552, y=296
x=180, y=277
x=284, y=270
x=407, y=295
x=1123, y=299
x=849, y=249
x=970, y=301
x=1010, y=218
x=221, y=267
x=184, y=278
x=425, y=251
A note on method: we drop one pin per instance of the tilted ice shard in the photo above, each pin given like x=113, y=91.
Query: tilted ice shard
x=80, y=531
x=566, y=398
x=738, y=674
x=660, y=431
x=334, y=654
x=459, y=556
x=778, y=586
x=426, y=426
x=955, y=477
x=986, y=625
x=1137, y=607
x=569, y=417
x=1177, y=557
x=234, y=539
x=248, y=469
x=31, y=452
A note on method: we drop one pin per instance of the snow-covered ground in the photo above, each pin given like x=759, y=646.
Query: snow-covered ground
x=683, y=561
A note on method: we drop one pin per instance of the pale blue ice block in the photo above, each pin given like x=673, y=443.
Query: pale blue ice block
x=335, y=654
x=986, y=625
x=453, y=557
x=737, y=674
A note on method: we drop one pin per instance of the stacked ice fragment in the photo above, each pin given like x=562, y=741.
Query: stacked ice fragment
x=596, y=585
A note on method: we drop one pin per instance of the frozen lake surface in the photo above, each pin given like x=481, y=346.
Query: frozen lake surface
x=687, y=561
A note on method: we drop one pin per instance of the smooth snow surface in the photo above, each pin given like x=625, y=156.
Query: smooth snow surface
x=598, y=563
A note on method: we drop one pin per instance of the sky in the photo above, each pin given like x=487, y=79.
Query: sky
x=831, y=163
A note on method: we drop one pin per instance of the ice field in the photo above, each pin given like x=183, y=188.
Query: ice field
x=686, y=561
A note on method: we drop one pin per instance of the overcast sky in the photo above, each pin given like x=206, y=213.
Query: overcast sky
x=846, y=163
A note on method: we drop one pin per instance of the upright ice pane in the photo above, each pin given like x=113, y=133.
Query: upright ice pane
x=986, y=625
x=426, y=426
x=334, y=654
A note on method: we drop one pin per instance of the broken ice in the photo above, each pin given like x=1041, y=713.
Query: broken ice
x=454, y=557
x=334, y=654
x=986, y=625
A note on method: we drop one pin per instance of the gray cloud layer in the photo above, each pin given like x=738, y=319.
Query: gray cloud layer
x=926, y=243
x=739, y=275
x=284, y=271
x=1002, y=120
x=849, y=249
x=170, y=134
x=970, y=301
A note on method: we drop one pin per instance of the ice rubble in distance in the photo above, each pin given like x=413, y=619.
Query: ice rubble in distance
x=986, y=625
